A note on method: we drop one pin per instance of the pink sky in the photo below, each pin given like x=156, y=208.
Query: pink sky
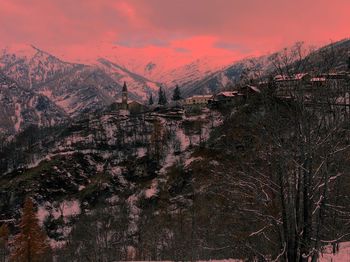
x=184, y=29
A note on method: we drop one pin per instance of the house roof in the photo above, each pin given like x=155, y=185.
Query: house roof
x=134, y=102
x=298, y=76
x=228, y=93
x=254, y=88
x=200, y=97
x=318, y=79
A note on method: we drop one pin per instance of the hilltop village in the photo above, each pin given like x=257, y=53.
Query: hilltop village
x=307, y=86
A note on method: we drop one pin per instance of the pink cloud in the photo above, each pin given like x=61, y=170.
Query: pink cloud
x=231, y=28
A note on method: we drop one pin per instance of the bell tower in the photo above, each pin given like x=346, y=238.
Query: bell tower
x=125, y=97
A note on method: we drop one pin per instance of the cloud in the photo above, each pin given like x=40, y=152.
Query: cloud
x=197, y=27
x=182, y=50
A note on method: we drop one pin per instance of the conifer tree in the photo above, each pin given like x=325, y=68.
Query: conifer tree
x=162, y=100
x=165, y=98
x=30, y=245
x=177, y=93
x=150, y=101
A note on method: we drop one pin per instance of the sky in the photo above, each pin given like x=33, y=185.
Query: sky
x=172, y=29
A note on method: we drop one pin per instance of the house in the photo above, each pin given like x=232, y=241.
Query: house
x=318, y=81
x=336, y=76
x=249, y=91
x=135, y=107
x=227, y=98
x=288, y=85
x=197, y=101
x=292, y=78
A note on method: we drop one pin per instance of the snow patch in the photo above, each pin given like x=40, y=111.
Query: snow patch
x=18, y=115
x=342, y=256
x=65, y=209
x=152, y=191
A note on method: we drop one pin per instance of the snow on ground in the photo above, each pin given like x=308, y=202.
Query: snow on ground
x=65, y=104
x=46, y=92
x=184, y=140
x=18, y=115
x=211, y=260
x=66, y=209
x=141, y=151
x=169, y=160
x=192, y=159
x=134, y=212
x=152, y=191
x=342, y=256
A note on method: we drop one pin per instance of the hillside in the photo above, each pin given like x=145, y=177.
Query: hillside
x=21, y=108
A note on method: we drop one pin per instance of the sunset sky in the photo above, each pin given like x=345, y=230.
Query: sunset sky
x=184, y=28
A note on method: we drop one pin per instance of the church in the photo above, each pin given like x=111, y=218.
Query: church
x=126, y=106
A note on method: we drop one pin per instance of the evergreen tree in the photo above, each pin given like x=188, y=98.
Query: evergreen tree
x=150, y=101
x=162, y=100
x=177, y=93
x=30, y=245
x=165, y=98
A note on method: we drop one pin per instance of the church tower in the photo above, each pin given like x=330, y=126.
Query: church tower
x=125, y=97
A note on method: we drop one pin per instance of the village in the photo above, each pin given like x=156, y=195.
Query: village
x=329, y=88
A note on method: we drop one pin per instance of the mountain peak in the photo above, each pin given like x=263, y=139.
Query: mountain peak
x=20, y=50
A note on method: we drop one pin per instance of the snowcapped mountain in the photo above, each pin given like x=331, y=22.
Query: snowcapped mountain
x=226, y=77
x=170, y=70
x=21, y=108
x=71, y=88
x=157, y=65
x=83, y=89
x=139, y=87
x=190, y=73
x=76, y=88
x=214, y=81
x=30, y=66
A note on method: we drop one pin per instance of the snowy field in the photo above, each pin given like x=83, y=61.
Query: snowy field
x=222, y=260
x=342, y=256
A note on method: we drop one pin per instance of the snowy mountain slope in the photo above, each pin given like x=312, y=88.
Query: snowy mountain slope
x=74, y=88
x=190, y=73
x=21, y=108
x=70, y=160
x=82, y=89
x=30, y=66
x=227, y=77
x=217, y=80
x=140, y=87
x=170, y=70
x=332, y=57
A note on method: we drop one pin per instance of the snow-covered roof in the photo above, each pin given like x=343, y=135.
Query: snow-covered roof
x=201, y=96
x=228, y=93
x=318, y=79
x=254, y=88
x=134, y=102
x=198, y=97
x=298, y=76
